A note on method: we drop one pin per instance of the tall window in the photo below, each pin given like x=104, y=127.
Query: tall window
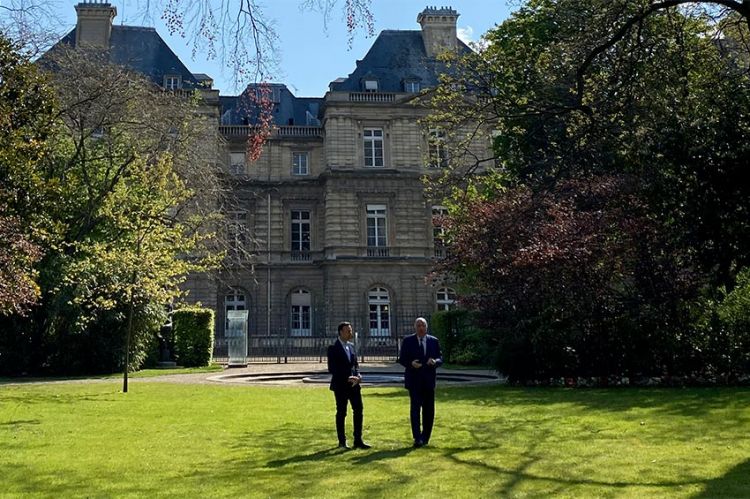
x=172, y=82
x=438, y=231
x=237, y=232
x=376, y=226
x=446, y=299
x=438, y=157
x=299, y=163
x=237, y=163
x=373, y=142
x=411, y=87
x=268, y=92
x=275, y=94
x=233, y=301
x=301, y=313
x=379, y=303
x=300, y=231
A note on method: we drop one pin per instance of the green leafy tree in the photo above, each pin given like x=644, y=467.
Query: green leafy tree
x=130, y=189
x=26, y=110
x=578, y=97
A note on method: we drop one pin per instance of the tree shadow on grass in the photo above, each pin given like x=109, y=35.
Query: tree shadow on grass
x=302, y=458
x=379, y=455
x=45, y=398
x=669, y=401
x=522, y=474
x=21, y=480
x=357, y=456
x=526, y=471
x=734, y=483
x=20, y=422
x=478, y=454
x=293, y=460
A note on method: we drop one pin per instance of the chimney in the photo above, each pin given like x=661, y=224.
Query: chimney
x=438, y=30
x=94, y=23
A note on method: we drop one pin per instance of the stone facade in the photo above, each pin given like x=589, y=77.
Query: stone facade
x=348, y=271
x=332, y=220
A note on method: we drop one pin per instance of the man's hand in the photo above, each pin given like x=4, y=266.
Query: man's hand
x=431, y=362
x=354, y=380
x=416, y=364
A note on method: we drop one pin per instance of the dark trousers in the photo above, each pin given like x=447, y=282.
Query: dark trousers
x=422, y=401
x=345, y=396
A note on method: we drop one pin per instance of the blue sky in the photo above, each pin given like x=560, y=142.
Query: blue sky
x=309, y=56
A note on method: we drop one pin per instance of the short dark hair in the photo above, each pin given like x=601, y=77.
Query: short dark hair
x=343, y=325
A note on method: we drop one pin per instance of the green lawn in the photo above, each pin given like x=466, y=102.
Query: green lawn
x=89, y=440
x=143, y=373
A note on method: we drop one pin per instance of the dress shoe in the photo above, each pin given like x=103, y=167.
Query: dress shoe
x=342, y=445
x=362, y=445
x=418, y=444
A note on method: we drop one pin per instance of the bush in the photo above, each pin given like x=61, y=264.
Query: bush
x=193, y=330
x=461, y=341
x=95, y=347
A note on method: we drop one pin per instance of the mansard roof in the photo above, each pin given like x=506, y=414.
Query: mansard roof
x=287, y=108
x=395, y=56
x=143, y=50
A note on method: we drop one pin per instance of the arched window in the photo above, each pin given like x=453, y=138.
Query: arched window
x=380, y=304
x=300, y=313
x=446, y=299
x=235, y=300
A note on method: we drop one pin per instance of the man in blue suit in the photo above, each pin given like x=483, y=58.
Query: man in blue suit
x=345, y=380
x=420, y=355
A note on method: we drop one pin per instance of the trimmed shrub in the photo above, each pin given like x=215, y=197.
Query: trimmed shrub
x=193, y=330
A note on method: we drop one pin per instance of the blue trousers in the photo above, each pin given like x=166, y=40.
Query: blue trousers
x=422, y=404
x=344, y=397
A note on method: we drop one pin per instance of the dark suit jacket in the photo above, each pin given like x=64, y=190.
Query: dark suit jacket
x=341, y=367
x=425, y=376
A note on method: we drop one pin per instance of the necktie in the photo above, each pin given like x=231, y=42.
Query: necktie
x=422, y=346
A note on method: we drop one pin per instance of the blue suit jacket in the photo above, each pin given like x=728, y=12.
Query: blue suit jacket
x=425, y=376
x=341, y=367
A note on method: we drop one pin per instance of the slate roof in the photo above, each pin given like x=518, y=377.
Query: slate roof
x=143, y=50
x=395, y=56
x=289, y=110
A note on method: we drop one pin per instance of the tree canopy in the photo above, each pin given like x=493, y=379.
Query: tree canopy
x=123, y=201
x=618, y=190
x=26, y=111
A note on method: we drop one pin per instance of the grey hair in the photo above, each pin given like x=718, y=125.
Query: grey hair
x=422, y=320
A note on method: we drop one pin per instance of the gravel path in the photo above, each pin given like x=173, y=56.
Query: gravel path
x=204, y=378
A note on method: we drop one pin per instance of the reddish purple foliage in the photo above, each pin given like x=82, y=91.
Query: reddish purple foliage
x=18, y=290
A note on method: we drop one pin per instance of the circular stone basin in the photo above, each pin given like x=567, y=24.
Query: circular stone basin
x=373, y=378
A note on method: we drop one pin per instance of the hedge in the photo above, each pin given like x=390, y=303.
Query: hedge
x=461, y=340
x=193, y=330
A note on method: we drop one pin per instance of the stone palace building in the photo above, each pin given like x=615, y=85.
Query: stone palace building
x=332, y=221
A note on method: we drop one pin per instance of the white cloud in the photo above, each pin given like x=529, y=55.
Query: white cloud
x=465, y=34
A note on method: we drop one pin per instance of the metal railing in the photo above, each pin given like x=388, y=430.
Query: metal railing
x=281, y=131
x=300, y=256
x=378, y=251
x=285, y=349
x=371, y=97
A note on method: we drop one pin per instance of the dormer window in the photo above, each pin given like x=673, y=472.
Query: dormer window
x=172, y=82
x=371, y=85
x=411, y=86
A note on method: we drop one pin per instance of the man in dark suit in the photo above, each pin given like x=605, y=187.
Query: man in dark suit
x=420, y=355
x=345, y=384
